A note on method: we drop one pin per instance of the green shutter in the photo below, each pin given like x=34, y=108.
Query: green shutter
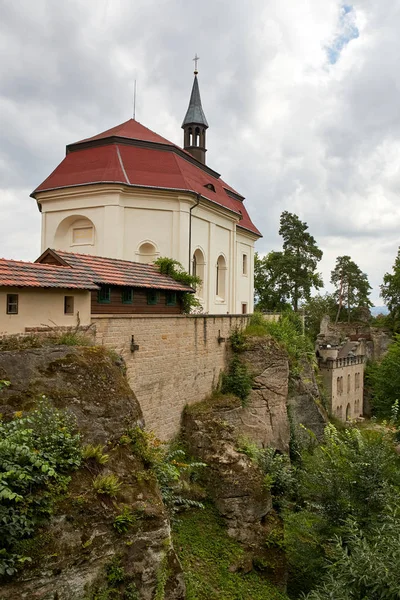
x=170, y=299
x=152, y=297
x=127, y=295
x=104, y=295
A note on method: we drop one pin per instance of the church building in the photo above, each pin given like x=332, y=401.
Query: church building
x=130, y=194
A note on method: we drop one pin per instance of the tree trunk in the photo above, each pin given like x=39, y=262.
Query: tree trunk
x=348, y=303
x=340, y=300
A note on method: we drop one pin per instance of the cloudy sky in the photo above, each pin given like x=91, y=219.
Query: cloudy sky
x=302, y=98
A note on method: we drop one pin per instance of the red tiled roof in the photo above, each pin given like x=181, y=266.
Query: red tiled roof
x=113, y=271
x=140, y=166
x=132, y=130
x=14, y=273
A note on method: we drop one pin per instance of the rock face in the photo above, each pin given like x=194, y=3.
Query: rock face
x=376, y=339
x=213, y=430
x=305, y=403
x=71, y=554
x=233, y=481
x=265, y=419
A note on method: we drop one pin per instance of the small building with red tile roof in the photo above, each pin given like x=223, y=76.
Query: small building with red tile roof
x=63, y=289
x=130, y=194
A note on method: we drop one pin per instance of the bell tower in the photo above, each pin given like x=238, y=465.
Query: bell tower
x=195, y=123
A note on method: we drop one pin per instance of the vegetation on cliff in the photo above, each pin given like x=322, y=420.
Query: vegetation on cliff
x=37, y=452
x=383, y=381
x=216, y=566
x=173, y=268
x=341, y=527
x=76, y=488
x=339, y=499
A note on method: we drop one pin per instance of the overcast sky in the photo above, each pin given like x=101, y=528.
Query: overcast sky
x=302, y=98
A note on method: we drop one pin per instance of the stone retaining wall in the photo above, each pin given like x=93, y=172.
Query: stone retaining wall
x=171, y=360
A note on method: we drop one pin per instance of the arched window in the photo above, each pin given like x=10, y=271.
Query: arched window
x=348, y=412
x=147, y=253
x=199, y=271
x=348, y=384
x=221, y=278
x=76, y=233
x=196, y=136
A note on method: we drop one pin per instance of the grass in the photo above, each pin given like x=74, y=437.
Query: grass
x=207, y=553
x=54, y=337
x=71, y=338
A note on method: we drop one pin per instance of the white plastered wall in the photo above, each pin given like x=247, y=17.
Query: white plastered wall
x=244, y=281
x=212, y=232
x=41, y=306
x=123, y=218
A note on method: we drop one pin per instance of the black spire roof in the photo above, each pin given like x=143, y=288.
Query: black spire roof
x=195, y=114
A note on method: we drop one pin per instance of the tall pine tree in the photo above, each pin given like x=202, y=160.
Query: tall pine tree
x=352, y=286
x=390, y=292
x=300, y=258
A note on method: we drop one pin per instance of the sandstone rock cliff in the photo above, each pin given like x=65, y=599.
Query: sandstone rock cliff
x=70, y=555
x=212, y=430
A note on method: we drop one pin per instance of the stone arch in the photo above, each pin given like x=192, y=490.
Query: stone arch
x=147, y=252
x=199, y=269
x=221, y=287
x=76, y=233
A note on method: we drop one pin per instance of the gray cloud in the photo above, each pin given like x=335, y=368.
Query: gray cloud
x=288, y=129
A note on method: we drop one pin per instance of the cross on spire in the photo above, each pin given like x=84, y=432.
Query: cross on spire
x=196, y=58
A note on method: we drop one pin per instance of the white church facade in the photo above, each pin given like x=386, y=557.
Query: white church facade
x=130, y=194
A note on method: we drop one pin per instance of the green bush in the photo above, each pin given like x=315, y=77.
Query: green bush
x=118, y=586
x=280, y=476
x=238, y=341
x=124, y=521
x=384, y=380
x=95, y=453
x=37, y=450
x=174, y=269
x=108, y=485
x=354, y=476
x=174, y=472
x=237, y=380
x=363, y=567
x=288, y=332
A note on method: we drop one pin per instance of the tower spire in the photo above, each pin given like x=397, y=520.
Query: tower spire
x=195, y=123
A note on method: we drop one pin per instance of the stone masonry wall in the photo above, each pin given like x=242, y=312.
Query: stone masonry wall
x=178, y=361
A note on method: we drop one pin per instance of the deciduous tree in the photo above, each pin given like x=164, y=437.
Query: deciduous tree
x=270, y=284
x=315, y=308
